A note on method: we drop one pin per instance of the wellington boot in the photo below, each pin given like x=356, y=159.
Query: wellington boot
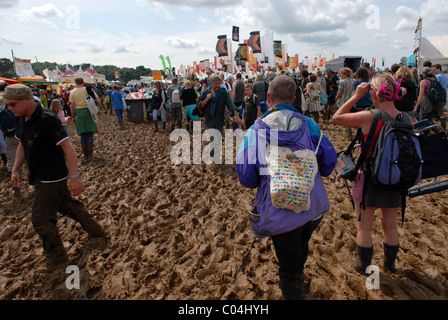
x=363, y=259
x=164, y=126
x=156, y=126
x=390, y=255
x=89, y=150
x=84, y=150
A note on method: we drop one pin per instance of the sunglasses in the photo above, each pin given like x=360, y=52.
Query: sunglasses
x=14, y=103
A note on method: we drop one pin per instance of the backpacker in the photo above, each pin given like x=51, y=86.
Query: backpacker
x=292, y=176
x=437, y=94
x=8, y=122
x=175, y=96
x=396, y=160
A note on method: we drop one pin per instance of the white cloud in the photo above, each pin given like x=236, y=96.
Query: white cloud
x=182, y=43
x=46, y=11
x=9, y=40
x=9, y=3
x=409, y=18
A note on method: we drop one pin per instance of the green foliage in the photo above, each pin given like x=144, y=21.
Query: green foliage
x=126, y=74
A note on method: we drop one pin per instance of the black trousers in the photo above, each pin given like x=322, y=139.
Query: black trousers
x=51, y=198
x=291, y=249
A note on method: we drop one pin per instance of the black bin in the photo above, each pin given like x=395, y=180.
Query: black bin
x=136, y=110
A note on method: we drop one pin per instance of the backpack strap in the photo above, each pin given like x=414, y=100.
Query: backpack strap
x=365, y=148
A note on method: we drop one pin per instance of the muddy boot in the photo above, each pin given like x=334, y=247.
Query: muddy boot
x=156, y=126
x=84, y=149
x=5, y=160
x=293, y=290
x=164, y=126
x=172, y=126
x=363, y=259
x=443, y=123
x=390, y=255
x=89, y=150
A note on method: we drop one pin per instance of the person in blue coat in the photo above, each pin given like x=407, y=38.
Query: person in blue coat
x=290, y=231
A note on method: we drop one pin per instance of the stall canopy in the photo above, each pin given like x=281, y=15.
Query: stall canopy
x=434, y=49
x=9, y=81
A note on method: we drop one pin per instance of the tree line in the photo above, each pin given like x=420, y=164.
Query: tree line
x=125, y=74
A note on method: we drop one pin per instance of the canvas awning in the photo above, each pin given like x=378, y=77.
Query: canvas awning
x=9, y=81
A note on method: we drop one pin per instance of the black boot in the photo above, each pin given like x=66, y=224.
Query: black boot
x=363, y=259
x=293, y=289
x=156, y=126
x=5, y=160
x=164, y=126
x=390, y=255
x=443, y=123
x=84, y=149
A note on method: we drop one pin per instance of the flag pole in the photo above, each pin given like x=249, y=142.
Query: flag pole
x=14, y=62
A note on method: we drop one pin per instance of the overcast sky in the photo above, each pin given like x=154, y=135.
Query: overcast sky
x=137, y=32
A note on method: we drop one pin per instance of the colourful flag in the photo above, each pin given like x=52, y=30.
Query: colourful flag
x=278, y=49
x=236, y=34
x=221, y=46
x=254, y=41
x=241, y=54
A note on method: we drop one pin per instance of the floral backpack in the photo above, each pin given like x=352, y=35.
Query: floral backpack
x=292, y=176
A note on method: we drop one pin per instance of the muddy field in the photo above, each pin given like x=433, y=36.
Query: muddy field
x=181, y=232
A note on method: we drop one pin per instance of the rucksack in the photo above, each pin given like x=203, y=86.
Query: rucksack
x=8, y=122
x=175, y=96
x=292, y=176
x=396, y=160
x=437, y=94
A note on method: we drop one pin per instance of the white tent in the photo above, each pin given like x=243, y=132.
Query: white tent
x=434, y=49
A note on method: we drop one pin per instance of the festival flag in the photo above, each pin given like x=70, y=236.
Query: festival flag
x=278, y=49
x=419, y=25
x=292, y=63
x=201, y=65
x=91, y=70
x=221, y=46
x=23, y=67
x=241, y=53
x=254, y=41
x=236, y=34
x=267, y=49
x=117, y=75
x=169, y=63
x=163, y=62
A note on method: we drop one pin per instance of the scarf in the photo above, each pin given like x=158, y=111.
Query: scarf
x=214, y=100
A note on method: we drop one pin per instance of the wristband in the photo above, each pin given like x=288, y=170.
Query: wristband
x=75, y=177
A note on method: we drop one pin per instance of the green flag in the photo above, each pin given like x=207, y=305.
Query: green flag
x=163, y=62
x=169, y=63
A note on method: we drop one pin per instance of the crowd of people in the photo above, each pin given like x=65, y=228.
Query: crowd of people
x=266, y=102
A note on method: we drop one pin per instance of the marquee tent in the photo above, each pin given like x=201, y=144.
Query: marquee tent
x=434, y=49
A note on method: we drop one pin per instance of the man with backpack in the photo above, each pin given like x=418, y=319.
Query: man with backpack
x=290, y=217
x=174, y=94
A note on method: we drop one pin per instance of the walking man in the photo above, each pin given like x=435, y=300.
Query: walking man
x=46, y=148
